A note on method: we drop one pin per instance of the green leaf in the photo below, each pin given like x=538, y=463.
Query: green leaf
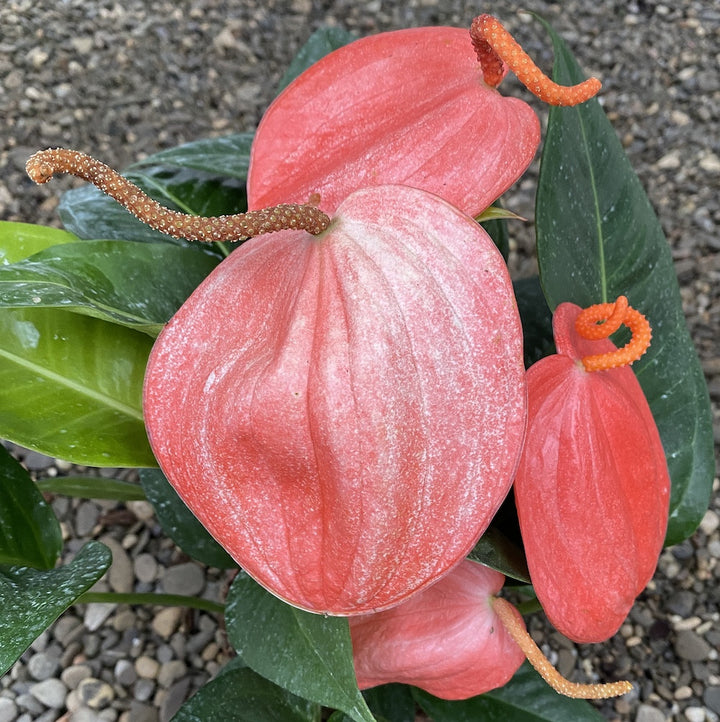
x=497, y=551
x=180, y=524
x=241, y=695
x=391, y=702
x=525, y=698
x=598, y=237
x=29, y=532
x=92, y=487
x=308, y=654
x=32, y=600
x=536, y=320
x=90, y=214
x=20, y=240
x=139, y=285
x=71, y=387
x=228, y=156
x=322, y=42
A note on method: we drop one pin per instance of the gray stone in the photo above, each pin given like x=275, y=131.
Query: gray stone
x=86, y=517
x=144, y=689
x=85, y=714
x=174, y=699
x=125, y=673
x=146, y=568
x=140, y=712
x=186, y=578
x=67, y=629
x=51, y=692
x=73, y=675
x=42, y=666
x=695, y=714
x=646, y=713
x=120, y=575
x=691, y=647
x=8, y=710
x=712, y=699
x=96, y=613
x=681, y=603
x=95, y=693
x=170, y=672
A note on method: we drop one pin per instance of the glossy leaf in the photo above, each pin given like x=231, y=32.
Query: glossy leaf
x=536, y=320
x=180, y=524
x=29, y=531
x=90, y=214
x=241, y=695
x=392, y=702
x=228, y=156
x=525, y=698
x=32, y=600
x=307, y=654
x=71, y=387
x=20, y=240
x=92, y=487
x=319, y=44
x=497, y=551
x=139, y=285
x=598, y=237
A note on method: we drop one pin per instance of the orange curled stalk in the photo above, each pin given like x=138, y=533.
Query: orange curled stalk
x=495, y=46
x=603, y=319
x=540, y=662
x=45, y=163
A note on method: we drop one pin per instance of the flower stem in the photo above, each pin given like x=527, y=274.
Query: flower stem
x=151, y=598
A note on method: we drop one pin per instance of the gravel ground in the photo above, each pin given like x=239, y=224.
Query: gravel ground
x=122, y=80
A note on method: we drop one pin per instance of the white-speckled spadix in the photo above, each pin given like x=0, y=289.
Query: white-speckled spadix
x=344, y=412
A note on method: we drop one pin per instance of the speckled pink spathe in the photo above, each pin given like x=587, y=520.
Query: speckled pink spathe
x=344, y=412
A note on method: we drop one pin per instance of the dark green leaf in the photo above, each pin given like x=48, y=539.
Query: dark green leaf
x=139, y=285
x=322, y=42
x=392, y=702
x=92, y=487
x=227, y=156
x=536, y=320
x=525, y=698
x=32, y=600
x=241, y=695
x=598, y=237
x=180, y=524
x=29, y=532
x=20, y=240
x=71, y=387
x=90, y=214
x=498, y=552
x=307, y=654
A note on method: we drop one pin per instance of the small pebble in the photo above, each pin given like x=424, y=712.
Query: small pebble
x=42, y=666
x=125, y=673
x=51, y=692
x=695, y=714
x=646, y=713
x=95, y=693
x=166, y=621
x=8, y=710
x=73, y=675
x=187, y=578
x=147, y=667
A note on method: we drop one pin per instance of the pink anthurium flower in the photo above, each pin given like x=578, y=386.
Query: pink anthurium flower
x=447, y=639
x=456, y=639
x=417, y=107
x=344, y=412
x=592, y=489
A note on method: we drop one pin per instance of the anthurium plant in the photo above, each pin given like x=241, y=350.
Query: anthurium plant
x=309, y=344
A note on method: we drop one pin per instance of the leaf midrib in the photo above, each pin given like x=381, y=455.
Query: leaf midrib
x=101, y=398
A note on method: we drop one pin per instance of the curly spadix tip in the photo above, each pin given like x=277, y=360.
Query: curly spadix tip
x=497, y=51
x=44, y=164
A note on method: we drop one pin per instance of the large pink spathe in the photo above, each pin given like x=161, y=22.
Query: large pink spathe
x=447, y=639
x=344, y=413
x=592, y=489
x=407, y=107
